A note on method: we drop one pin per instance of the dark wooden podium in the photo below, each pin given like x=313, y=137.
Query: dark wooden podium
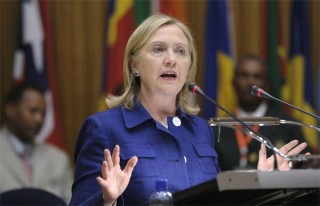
x=295, y=187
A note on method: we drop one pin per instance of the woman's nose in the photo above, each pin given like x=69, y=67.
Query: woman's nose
x=170, y=60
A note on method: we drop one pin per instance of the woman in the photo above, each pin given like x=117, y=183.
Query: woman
x=151, y=121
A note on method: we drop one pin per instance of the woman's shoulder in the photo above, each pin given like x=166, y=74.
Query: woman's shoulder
x=198, y=120
x=106, y=115
x=107, y=112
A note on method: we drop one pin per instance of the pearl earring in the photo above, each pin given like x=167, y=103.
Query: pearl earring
x=136, y=73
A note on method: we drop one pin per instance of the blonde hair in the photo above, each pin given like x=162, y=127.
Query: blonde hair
x=136, y=41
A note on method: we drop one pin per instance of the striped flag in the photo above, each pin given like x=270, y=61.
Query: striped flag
x=175, y=8
x=271, y=46
x=120, y=24
x=33, y=62
x=142, y=9
x=300, y=72
x=218, y=62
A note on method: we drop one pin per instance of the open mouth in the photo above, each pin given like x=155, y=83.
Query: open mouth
x=169, y=75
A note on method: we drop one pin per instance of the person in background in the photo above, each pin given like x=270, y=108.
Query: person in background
x=237, y=150
x=152, y=121
x=23, y=161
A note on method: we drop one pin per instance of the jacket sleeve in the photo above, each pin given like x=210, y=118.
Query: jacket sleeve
x=89, y=155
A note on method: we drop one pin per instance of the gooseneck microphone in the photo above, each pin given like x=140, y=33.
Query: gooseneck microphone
x=195, y=89
x=258, y=92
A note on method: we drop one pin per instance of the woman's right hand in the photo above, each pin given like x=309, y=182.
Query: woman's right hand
x=291, y=148
x=114, y=180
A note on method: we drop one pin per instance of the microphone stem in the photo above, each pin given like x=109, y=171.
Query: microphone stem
x=269, y=143
x=256, y=91
x=297, y=108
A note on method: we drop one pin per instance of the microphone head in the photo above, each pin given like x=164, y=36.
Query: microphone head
x=192, y=86
x=195, y=89
x=258, y=92
x=255, y=91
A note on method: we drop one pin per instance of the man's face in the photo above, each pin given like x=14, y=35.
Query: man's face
x=26, y=118
x=250, y=72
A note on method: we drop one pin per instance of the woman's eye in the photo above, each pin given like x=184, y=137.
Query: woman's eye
x=157, y=49
x=182, y=51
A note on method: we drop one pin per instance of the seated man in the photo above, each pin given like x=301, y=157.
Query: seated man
x=23, y=161
x=237, y=150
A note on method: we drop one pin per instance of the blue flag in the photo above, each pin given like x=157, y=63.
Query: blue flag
x=300, y=72
x=218, y=64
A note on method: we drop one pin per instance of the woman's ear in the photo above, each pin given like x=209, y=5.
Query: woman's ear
x=133, y=64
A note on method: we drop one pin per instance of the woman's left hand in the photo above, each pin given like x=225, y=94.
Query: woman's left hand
x=114, y=180
x=291, y=148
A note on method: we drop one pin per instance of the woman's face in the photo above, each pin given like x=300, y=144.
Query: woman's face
x=163, y=62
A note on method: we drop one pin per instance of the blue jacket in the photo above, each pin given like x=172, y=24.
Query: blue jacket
x=184, y=155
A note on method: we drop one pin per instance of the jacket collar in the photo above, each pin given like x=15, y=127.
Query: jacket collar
x=139, y=115
x=135, y=116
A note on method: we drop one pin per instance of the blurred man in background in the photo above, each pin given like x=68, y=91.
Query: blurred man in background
x=23, y=161
x=237, y=150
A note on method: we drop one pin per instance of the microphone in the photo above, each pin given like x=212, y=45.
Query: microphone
x=258, y=92
x=195, y=89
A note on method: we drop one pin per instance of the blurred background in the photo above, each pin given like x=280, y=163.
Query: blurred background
x=74, y=48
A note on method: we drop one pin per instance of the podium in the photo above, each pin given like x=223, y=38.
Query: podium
x=295, y=187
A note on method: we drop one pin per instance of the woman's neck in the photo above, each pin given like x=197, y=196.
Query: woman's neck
x=158, y=107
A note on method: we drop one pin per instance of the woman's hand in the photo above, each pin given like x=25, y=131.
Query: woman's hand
x=114, y=180
x=291, y=148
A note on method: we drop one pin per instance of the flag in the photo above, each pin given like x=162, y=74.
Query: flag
x=271, y=47
x=300, y=73
x=175, y=8
x=119, y=26
x=218, y=61
x=142, y=9
x=33, y=62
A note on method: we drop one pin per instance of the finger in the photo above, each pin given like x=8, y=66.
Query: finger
x=104, y=170
x=115, y=155
x=296, y=150
x=263, y=152
x=263, y=161
x=130, y=165
x=283, y=164
x=107, y=157
x=287, y=147
x=101, y=181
